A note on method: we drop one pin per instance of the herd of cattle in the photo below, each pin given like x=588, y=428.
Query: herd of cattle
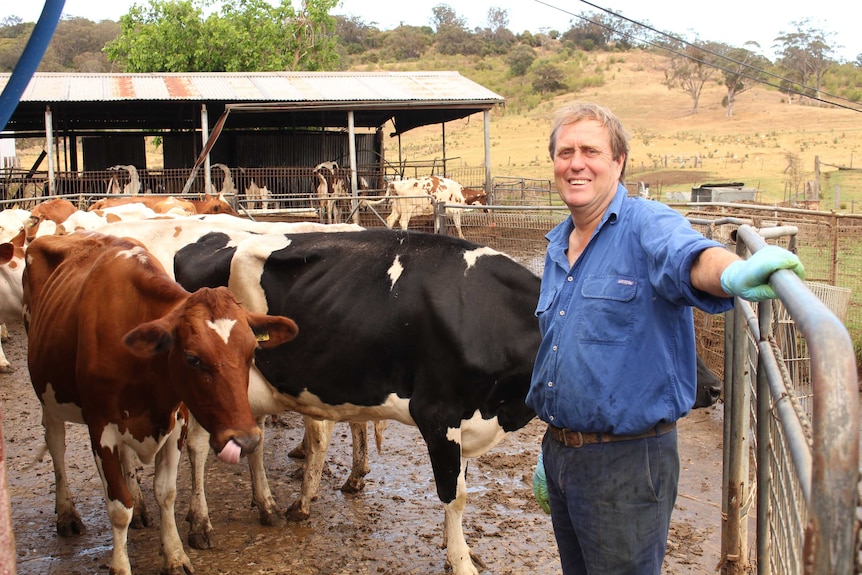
x=150, y=325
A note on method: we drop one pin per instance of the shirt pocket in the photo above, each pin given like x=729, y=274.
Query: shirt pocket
x=608, y=309
x=546, y=300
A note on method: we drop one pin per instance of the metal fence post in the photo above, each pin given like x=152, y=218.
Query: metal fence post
x=735, y=489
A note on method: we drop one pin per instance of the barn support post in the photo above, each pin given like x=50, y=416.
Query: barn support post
x=354, y=187
x=443, y=134
x=486, y=116
x=49, y=144
x=205, y=136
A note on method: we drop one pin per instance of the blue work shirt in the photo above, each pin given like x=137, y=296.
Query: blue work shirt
x=618, y=350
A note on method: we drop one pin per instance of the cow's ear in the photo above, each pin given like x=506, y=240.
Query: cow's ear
x=149, y=339
x=7, y=252
x=271, y=330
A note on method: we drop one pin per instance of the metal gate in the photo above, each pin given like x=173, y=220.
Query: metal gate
x=796, y=421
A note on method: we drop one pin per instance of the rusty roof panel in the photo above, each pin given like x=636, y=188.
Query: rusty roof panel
x=256, y=87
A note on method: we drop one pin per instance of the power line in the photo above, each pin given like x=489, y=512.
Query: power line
x=787, y=88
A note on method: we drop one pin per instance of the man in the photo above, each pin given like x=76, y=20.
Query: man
x=616, y=368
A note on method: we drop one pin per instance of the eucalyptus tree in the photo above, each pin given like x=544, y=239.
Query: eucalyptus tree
x=804, y=55
x=689, y=67
x=741, y=70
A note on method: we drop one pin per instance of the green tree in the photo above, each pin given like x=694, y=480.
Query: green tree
x=165, y=36
x=247, y=35
x=741, y=71
x=452, y=36
x=14, y=34
x=496, y=38
x=354, y=35
x=407, y=42
x=548, y=78
x=805, y=54
x=520, y=59
x=591, y=31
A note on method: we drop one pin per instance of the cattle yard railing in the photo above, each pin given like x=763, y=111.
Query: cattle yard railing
x=803, y=421
x=791, y=396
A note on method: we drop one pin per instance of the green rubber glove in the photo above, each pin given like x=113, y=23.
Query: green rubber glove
x=540, y=485
x=749, y=279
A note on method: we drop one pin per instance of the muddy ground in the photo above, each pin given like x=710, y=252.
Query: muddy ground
x=393, y=527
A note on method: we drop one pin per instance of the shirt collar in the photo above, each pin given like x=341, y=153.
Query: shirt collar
x=562, y=231
x=558, y=237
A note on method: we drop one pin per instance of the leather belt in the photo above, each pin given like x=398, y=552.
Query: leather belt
x=571, y=438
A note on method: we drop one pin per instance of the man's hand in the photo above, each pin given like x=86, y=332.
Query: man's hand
x=540, y=485
x=749, y=279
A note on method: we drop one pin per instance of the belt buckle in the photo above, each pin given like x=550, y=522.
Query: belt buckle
x=580, y=439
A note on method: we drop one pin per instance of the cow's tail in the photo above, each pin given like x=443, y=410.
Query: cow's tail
x=365, y=203
x=379, y=428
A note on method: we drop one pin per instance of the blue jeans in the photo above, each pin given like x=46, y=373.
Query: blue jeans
x=611, y=503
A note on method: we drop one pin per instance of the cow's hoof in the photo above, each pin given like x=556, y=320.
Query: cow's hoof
x=269, y=518
x=297, y=452
x=296, y=513
x=141, y=519
x=353, y=485
x=70, y=525
x=202, y=540
x=181, y=567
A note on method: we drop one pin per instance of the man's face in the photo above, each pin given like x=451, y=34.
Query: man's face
x=585, y=173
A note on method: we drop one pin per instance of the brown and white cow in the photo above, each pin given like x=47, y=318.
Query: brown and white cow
x=415, y=197
x=48, y=213
x=475, y=196
x=163, y=239
x=332, y=189
x=11, y=270
x=116, y=344
x=169, y=204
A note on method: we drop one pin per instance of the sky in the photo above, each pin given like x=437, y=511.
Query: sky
x=732, y=22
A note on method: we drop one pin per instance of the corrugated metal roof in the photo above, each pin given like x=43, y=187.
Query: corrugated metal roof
x=366, y=87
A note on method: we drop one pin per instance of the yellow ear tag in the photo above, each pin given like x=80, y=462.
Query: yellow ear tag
x=262, y=337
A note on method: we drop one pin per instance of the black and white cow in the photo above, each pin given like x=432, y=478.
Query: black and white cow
x=252, y=268
x=425, y=329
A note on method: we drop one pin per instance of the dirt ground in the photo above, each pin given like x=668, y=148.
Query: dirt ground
x=393, y=527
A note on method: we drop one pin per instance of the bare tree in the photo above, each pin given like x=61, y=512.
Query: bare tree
x=793, y=175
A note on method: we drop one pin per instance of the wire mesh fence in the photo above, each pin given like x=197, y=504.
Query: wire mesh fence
x=518, y=215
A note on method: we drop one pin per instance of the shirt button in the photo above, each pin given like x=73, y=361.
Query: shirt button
x=550, y=384
x=554, y=348
x=562, y=312
x=551, y=418
x=569, y=279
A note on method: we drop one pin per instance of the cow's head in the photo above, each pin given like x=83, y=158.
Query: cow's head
x=708, y=385
x=11, y=274
x=210, y=341
x=475, y=196
x=216, y=205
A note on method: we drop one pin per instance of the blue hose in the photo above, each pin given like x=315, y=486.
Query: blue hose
x=29, y=61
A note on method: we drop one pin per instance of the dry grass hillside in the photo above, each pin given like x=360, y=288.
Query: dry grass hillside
x=751, y=147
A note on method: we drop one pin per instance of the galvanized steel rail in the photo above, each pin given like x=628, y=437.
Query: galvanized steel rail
x=807, y=471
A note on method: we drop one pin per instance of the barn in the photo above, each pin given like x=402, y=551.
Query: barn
x=251, y=122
